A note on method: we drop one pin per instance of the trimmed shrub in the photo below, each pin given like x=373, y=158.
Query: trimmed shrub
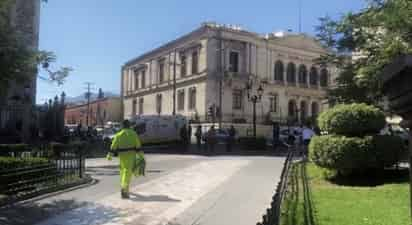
x=352, y=120
x=252, y=143
x=346, y=155
x=342, y=154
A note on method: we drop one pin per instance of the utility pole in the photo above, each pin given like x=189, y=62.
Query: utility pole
x=221, y=71
x=88, y=95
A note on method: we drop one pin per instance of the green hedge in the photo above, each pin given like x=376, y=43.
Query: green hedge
x=14, y=163
x=352, y=120
x=347, y=155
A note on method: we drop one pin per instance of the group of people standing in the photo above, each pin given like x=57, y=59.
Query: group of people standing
x=210, y=138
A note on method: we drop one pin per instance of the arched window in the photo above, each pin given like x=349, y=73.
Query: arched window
x=313, y=76
x=292, y=108
x=315, y=109
x=303, y=74
x=303, y=110
x=291, y=73
x=279, y=70
x=324, y=77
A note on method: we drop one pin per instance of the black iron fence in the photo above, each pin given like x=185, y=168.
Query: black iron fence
x=272, y=215
x=28, y=171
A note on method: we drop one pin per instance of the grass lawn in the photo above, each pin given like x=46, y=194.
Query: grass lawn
x=317, y=201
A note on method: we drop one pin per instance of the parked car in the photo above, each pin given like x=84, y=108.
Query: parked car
x=222, y=136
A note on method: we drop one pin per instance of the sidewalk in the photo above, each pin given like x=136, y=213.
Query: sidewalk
x=179, y=190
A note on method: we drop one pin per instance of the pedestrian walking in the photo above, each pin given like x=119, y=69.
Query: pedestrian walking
x=307, y=135
x=189, y=134
x=184, y=137
x=198, y=135
x=231, y=138
x=275, y=135
x=211, y=139
x=125, y=143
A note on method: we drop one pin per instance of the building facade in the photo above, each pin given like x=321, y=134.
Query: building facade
x=101, y=111
x=211, y=66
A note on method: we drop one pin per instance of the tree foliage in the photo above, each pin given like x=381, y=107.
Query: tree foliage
x=17, y=60
x=361, y=44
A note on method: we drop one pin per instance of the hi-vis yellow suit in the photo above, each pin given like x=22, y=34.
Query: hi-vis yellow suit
x=126, y=142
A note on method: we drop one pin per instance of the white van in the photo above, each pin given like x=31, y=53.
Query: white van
x=158, y=129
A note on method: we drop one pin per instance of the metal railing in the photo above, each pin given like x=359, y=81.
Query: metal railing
x=272, y=215
x=61, y=167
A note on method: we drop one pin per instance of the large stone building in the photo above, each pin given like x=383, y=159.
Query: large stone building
x=211, y=66
x=18, y=101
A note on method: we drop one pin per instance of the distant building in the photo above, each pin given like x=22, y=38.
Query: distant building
x=101, y=111
x=214, y=62
x=17, y=104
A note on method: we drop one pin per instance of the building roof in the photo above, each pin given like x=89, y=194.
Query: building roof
x=286, y=39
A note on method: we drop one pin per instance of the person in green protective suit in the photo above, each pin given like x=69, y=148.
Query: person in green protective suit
x=126, y=143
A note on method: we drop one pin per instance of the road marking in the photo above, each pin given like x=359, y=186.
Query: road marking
x=157, y=201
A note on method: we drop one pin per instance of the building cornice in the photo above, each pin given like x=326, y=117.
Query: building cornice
x=198, y=33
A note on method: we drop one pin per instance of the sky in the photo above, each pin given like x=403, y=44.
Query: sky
x=96, y=37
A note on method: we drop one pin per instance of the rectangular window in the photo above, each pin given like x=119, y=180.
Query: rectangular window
x=195, y=62
x=136, y=79
x=134, y=107
x=143, y=78
x=141, y=102
x=161, y=70
x=183, y=65
x=273, y=103
x=181, y=100
x=237, y=99
x=234, y=62
x=159, y=103
x=192, y=98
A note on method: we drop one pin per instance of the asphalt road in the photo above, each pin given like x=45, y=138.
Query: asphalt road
x=178, y=190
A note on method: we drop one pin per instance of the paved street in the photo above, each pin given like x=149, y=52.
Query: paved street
x=178, y=189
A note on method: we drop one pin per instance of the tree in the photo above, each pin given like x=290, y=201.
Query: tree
x=17, y=60
x=362, y=43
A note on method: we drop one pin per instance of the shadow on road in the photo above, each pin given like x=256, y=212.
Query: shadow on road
x=33, y=213
x=151, y=198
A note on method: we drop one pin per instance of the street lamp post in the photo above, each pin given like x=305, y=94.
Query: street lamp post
x=254, y=99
